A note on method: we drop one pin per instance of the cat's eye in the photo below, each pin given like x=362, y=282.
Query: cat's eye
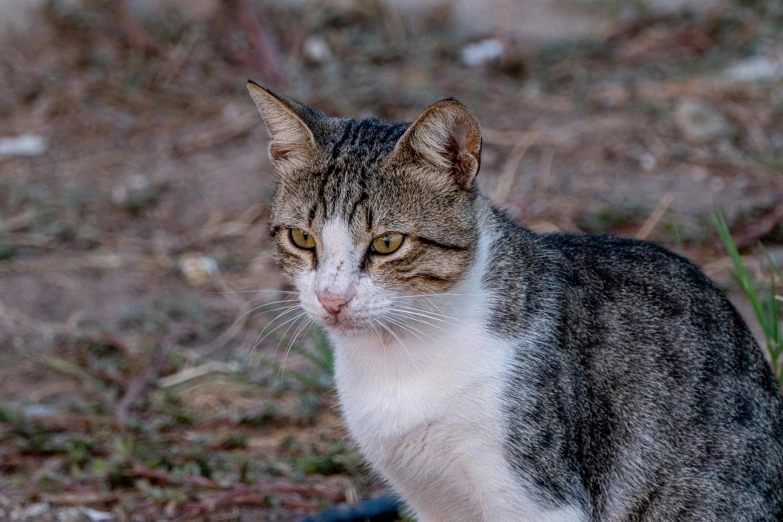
x=302, y=239
x=386, y=243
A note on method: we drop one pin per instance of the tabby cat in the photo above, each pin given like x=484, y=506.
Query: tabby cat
x=492, y=374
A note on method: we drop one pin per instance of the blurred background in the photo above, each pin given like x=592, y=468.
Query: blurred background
x=148, y=367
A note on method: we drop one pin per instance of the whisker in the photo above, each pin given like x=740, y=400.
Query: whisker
x=274, y=330
x=300, y=329
x=258, y=337
x=261, y=257
x=385, y=327
x=262, y=306
x=287, y=307
x=423, y=311
x=282, y=338
x=405, y=319
x=433, y=305
x=407, y=328
x=290, y=345
x=278, y=327
x=401, y=315
x=434, y=294
x=425, y=314
x=380, y=338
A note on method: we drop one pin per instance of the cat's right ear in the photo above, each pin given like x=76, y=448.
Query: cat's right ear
x=289, y=123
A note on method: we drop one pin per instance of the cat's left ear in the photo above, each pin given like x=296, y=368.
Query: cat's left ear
x=290, y=125
x=447, y=137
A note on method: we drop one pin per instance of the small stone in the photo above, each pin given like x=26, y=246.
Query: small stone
x=30, y=512
x=317, y=50
x=96, y=516
x=24, y=145
x=699, y=122
x=482, y=52
x=758, y=68
x=197, y=269
x=648, y=162
x=135, y=193
x=68, y=515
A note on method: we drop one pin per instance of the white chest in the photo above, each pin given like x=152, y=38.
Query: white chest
x=430, y=420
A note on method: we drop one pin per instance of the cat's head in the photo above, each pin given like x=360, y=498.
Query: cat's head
x=369, y=214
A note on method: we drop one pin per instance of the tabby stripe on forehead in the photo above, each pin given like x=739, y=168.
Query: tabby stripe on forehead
x=339, y=145
x=362, y=198
x=357, y=136
x=322, y=190
x=442, y=246
x=386, y=133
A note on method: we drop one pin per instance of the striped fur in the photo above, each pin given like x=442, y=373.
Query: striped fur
x=491, y=374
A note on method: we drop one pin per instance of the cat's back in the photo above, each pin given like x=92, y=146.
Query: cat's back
x=679, y=416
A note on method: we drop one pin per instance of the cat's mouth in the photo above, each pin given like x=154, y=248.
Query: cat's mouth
x=341, y=322
x=346, y=322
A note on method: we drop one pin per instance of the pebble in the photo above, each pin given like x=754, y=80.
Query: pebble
x=197, y=269
x=317, y=50
x=24, y=145
x=482, y=52
x=699, y=122
x=758, y=68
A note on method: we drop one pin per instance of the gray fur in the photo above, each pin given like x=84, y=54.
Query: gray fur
x=645, y=398
x=654, y=400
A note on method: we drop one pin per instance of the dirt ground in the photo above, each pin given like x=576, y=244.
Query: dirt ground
x=145, y=371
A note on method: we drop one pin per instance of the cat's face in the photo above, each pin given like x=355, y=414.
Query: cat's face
x=368, y=215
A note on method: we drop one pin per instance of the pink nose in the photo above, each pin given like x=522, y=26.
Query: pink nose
x=333, y=305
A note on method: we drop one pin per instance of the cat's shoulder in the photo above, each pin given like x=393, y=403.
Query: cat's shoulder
x=623, y=258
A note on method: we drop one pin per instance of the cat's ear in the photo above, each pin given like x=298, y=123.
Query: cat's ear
x=290, y=126
x=448, y=138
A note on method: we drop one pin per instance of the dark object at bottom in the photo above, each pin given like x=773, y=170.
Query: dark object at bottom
x=381, y=509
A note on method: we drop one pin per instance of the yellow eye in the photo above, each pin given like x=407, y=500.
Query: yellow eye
x=387, y=243
x=302, y=239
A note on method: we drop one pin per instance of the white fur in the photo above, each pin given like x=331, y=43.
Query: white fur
x=425, y=405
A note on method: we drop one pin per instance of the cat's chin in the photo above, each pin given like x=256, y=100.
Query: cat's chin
x=342, y=325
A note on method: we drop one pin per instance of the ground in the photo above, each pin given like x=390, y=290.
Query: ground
x=138, y=381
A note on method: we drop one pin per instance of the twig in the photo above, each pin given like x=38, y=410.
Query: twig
x=134, y=31
x=139, y=384
x=242, y=306
x=68, y=368
x=656, y=215
x=761, y=228
x=106, y=260
x=227, y=131
x=289, y=495
x=264, y=54
x=158, y=475
x=544, y=172
x=188, y=374
x=79, y=499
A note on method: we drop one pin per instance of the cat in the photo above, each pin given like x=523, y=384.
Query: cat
x=492, y=374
